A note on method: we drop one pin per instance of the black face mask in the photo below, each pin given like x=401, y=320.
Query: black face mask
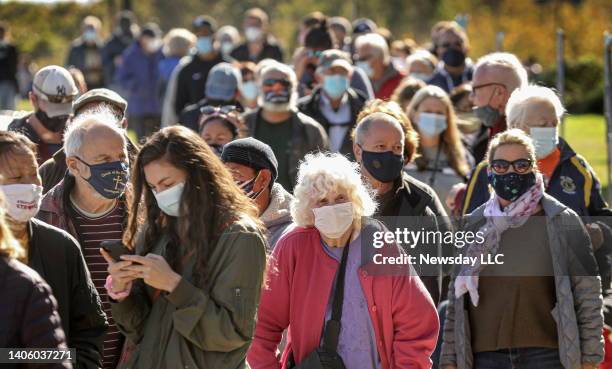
x=55, y=124
x=281, y=97
x=511, y=186
x=383, y=166
x=453, y=57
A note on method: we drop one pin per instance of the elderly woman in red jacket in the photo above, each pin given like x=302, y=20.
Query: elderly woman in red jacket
x=387, y=318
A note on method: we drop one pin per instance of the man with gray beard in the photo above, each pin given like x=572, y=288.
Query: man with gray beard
x=277, y=122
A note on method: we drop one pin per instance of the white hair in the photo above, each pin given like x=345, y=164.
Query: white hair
x=77, y=129
x=363, y=126
x=228, y=31
x=423, y=56
x=274, y=66
x=520, y=101
x=323, y=173
x=375, y=41
x=508, y=62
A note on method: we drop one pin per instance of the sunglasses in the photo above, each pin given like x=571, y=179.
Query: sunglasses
x=476, y=87
x=225, y=109
x=269, y=82
x=314, y=53
x=54, y=99
x=500, y=166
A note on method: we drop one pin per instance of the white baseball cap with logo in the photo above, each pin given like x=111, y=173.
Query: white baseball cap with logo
x=55, y=89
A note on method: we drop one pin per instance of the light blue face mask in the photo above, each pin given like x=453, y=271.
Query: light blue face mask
x=431, y=124
x=249, y=90
x=204, y=45
x=169, y=200
x=545, y=140
x=365, y=66
x=421, y=76
x=335, y=85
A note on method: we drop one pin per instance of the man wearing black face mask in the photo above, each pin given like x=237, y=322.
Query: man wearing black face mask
x=89, y=203
x=290, y=134
x=383, y=142
x=455, y=68
x=53, y=90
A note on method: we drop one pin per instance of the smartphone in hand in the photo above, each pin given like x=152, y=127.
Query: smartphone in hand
x=115, y=249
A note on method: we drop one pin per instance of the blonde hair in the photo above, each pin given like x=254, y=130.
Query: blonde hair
x=323, y=173
x=451, y=138
x=520, y=101
x=394, y=111
x=512, y=136
x=9, y=247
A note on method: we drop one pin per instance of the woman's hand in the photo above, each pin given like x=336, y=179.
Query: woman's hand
x=596, y=235
x=117, y=269
x=154, y=270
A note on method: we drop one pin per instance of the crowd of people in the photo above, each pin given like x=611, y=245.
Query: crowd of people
x=203, y=199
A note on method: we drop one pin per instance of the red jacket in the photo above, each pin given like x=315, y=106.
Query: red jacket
x=385, y=91
x=299, y=281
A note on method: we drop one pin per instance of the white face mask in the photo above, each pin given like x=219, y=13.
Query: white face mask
x=333, y=220
x=227, y=47
x=252, y=33
x=169, y=200
x=431, y=124
x=22, y=200
x=545, y=140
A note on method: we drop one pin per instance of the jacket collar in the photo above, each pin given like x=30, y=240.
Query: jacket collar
x=278, y=209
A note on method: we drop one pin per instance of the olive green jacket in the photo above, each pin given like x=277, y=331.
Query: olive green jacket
x=191, y=327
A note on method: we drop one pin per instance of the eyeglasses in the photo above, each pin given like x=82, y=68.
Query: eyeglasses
x=269, y=82
x=500, y=166
x=476, y=87
x=225, y=109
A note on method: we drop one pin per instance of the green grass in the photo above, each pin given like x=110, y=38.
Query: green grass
x=586, y=134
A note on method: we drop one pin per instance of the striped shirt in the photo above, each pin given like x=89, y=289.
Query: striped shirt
x=92, y=231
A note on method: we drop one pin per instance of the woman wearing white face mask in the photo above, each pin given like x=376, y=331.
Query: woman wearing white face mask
x=444, y=161
x=321, y=277
x=51, y=252
x=189, y=295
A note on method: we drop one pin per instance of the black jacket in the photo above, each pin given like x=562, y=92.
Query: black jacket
x=309, y=105
x=191, y=81
x=271, y=50
x=28, y=312
x=8, y=63
x=56, y=256
x=415, y=205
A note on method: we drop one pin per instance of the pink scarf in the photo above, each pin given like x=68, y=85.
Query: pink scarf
x=497, y=221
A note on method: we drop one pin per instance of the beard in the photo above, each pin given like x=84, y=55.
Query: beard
x=278, y=107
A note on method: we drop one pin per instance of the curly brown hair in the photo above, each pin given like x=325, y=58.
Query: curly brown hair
x=411, y=137
x=210, y=202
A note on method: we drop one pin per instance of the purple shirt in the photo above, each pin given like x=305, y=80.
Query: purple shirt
x=357, y=341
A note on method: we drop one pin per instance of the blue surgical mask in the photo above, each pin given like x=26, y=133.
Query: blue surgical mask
x=204, y=45
x=169, y=200
x=227, y=47
x=431, y=124
x=108, y=179
x=420, y=76
x=545, y=140
x=365, y=66
x=90, y=35
x=249, y=90
x=335, y=85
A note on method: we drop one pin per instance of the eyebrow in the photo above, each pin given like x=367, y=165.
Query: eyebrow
x=158, y=182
